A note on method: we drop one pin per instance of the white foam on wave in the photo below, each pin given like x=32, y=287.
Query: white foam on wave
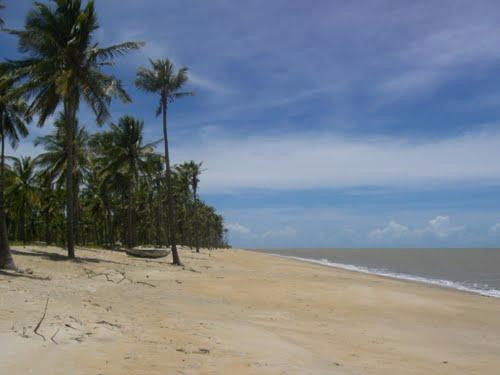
x=402, y=276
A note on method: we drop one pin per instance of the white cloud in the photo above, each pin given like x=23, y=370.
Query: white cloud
x=438, y=227
x=238, y=228
x=495, y=229
x=392, y=231
x=441, y=227
x=286, y=231
x=324, y=160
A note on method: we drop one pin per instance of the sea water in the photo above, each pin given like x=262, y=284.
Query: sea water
x=471, y=270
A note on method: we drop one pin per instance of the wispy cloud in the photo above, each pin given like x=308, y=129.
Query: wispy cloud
x=324, y=160
x=238, y=228
x=286, y=231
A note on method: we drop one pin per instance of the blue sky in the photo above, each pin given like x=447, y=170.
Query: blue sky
x=325, y=123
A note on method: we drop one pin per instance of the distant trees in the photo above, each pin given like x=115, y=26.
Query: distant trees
x=120, y=188
x=127, y=157
x=189, y=173
x=162, y=79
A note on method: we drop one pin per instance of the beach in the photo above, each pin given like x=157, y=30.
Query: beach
x=233, y=312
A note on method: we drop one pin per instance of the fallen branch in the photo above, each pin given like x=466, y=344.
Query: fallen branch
x=53, y=336
x=41, y=320
x=145, y=283
x=109, y=324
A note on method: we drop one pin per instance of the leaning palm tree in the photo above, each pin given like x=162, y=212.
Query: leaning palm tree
x=12, y=128
x=64, y=65
x=163, y=80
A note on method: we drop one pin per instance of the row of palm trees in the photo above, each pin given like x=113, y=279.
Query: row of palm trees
x=63, y=68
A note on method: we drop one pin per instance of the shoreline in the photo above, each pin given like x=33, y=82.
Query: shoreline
x=440, y=283
x=229, y=311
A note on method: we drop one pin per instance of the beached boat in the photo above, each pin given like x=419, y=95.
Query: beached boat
x=147, y=252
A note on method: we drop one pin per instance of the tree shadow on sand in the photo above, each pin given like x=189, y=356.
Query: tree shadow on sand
x=59, y=257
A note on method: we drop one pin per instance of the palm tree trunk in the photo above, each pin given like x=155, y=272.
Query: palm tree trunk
x=129, y=217
x=76, y=209
x=47, y=227
x=70, y=113
x=171, y=225
x=196, y=222
x=23, y=220
x=6, y=260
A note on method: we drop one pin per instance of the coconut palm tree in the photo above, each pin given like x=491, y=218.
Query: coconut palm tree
x=24, y=189
x=163, y=80
x=191, y=172
x=64, y=66
x=53, y=161
x=12, y=128
x=128, y=157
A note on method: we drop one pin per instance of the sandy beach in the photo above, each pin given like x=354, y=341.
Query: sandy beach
x=233, y=312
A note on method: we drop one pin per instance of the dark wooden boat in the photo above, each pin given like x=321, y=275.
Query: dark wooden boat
x=147, y=252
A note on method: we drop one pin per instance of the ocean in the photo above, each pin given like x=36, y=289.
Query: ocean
x=471, y=270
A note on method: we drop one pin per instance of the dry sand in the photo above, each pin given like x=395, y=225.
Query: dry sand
x=234, y=312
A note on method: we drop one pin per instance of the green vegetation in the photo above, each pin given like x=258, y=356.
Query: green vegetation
x=101, y=189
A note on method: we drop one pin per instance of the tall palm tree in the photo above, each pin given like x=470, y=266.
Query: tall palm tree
x=192, y=170
x=163, y=80
x=155, y=180
x=24, y=189
x=53, y=161
x=64, y=66
x=12, y=127
x=128, y=157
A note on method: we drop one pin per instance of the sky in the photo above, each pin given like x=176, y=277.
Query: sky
x=325, y=123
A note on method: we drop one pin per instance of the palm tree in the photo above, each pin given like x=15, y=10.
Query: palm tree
x=24, y=189
x=53, y=161
x=65, y=66
x=1, y=19
x=163, y=80
x=12, y=127
x=191, y=172
x=128, y=157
